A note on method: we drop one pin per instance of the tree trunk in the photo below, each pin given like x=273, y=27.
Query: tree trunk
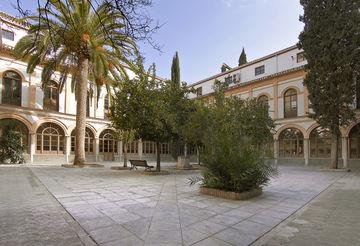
x=81, y=94
x=334, y=150
x=157, y=157
x=125, y=153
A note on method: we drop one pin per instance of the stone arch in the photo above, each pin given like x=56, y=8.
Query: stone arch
x=3, y=70
x=18, y=117
x=298, y=127
x=346, y=131
x=99, y=131
x=51, y=120
x=289, y=88
x=92, y=128
x=264, y=94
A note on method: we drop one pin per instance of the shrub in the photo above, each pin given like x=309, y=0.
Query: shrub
x=11, y=148
x=235, y=134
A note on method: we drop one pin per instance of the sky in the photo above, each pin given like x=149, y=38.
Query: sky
x=207, y=33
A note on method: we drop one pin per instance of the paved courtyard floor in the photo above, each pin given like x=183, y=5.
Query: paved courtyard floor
x=128, y=208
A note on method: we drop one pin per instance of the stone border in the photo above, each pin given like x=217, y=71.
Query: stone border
x=230, y=194
x=82, y=166
x=119, y=168
x=154, y=173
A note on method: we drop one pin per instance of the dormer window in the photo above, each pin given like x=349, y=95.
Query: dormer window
x=300, y=57
x=259, y=70
x=8, y=35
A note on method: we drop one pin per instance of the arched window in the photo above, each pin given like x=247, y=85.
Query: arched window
x=108, y=145
x=354, y=139
x=89, y=141
x=11, y=88
x=51, y=96
x=290, y=103
x=50, y=139
x=291, y=143
x=320, y=143
x=19, y=127
x=264, y=100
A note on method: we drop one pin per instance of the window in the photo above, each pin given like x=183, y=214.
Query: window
x=300, y=57
x=148, y=147
x=107, y=103
x=107, y=142
x=89, y=141
x=50, y=139
x=291, y=143
x=320, y=143
x=290, y=103
x=264, y=100
x=132, y=147
x=354, y=140
x=259, y=70
x=19, y=127
x=199, y=91
x=51, y=96
x=88, y=104
x=164, y=149
x=8, y=35
x=11, y=88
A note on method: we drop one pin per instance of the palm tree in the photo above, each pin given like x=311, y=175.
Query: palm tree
x=81, y=42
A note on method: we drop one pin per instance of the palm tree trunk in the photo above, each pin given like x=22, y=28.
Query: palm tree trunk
x=334, y=151
x=81, y=93
x=157, y=156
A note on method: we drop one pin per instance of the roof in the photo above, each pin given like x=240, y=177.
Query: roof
x=245, y=65
x=14, y=20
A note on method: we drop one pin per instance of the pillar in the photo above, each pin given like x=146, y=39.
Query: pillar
x=32, y=147
x=306, y=151
x=345, y=151
x=120, y=150
x=276, y=152
x=140, y=149
x=67, y=148
x=185, y=150
x=97, y=143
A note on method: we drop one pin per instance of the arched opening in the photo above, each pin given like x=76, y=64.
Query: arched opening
x=11, y=88
x=320, y=143
x=264, y=100
x=290, y=103
x=51, y=96
x=354, y=140
x=108, y=145
x=291, y=143
x=50, y=139
x=89, y=141
x=19, y=127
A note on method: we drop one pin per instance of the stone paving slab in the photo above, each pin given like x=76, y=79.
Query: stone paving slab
x=126, y=208
x=29, y=214
x=333, y=218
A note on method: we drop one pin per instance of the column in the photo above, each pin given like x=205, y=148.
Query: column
x=306, y=151
x=32, y=147
x=120, y=149
x=67, y=148
x=276, y=152
x=345, y=151
x=96, y=149
x=140, y=149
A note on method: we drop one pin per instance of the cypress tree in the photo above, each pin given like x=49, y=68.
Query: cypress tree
x=331, y=41
x=242, y=58
x=175, y=70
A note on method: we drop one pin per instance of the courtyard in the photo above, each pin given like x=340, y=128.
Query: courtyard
x=47, y=205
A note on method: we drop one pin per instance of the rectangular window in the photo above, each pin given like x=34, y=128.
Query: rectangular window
x=259, y=70
x=199, y=91
x=7, y=35
x=300, y=57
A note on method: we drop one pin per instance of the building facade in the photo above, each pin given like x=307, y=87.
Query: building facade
x=277, y=80
x=45, y=116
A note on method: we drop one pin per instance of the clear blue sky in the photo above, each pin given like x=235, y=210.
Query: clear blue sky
x=207, y=33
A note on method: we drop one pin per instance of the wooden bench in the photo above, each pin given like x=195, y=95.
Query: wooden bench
x=140, y=163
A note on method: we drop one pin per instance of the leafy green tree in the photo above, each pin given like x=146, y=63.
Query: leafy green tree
x=331, y=39
x=11, y=148
x=140, y=105
x=75, y=39
x=242, y=58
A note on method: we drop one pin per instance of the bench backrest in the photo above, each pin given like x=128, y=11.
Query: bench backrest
x=141, y=163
